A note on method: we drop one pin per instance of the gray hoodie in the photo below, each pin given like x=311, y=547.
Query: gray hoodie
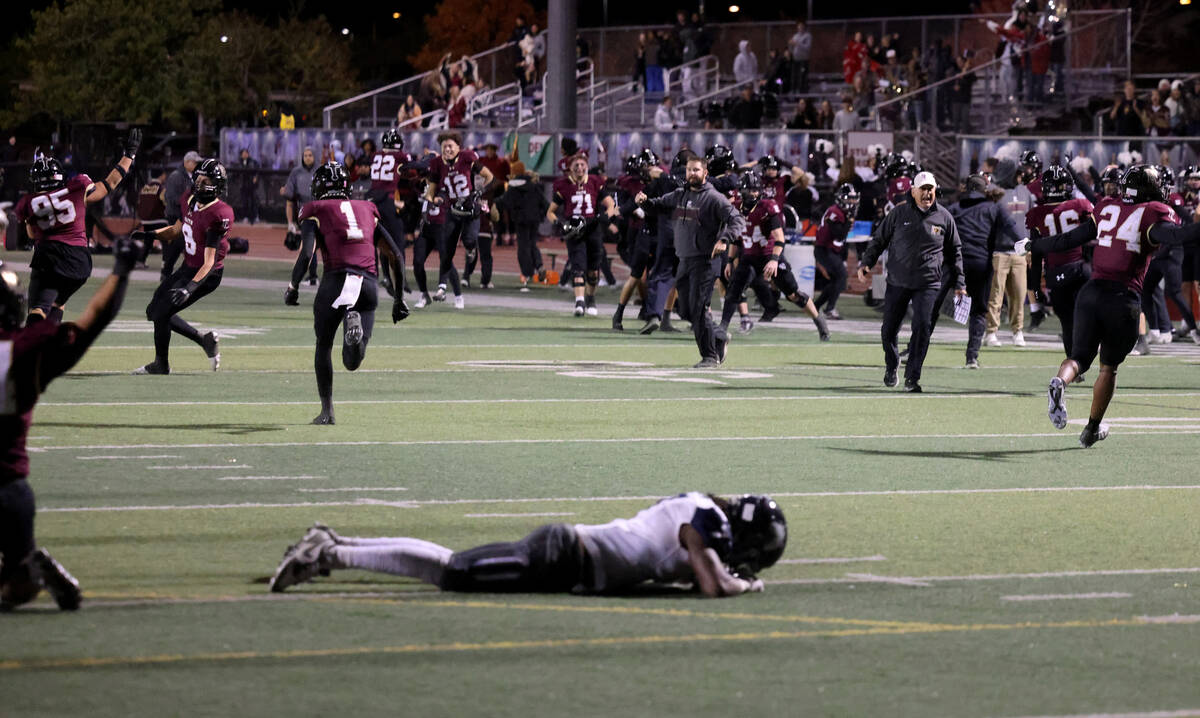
x=745, y=65
x=700, y=217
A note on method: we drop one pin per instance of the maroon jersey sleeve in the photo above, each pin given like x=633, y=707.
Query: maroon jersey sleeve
x=1123, y=246
x=834, y=227
x=1051, y=219
x=763, y=219
x=22, y=378
x=346, y=233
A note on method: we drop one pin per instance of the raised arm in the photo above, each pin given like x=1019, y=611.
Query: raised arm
x=99, y=191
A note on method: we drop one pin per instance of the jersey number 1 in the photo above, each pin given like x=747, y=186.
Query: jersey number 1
x=353, y=231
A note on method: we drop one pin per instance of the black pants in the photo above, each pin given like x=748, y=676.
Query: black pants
x=56, y=273
x=1064, y=284
x=326, y=320
x=895, y=305
x=548, y=560
x=835, y=265
x=978, y=280
x=584, y=256
x=749, y=273
x=662, y=275
x=1169, y=268
x=394, y=224
x=695, y=281
x=1106, y=323
x=165, y=315
x=429, y=239
x=466, y=230
x=529, y=257
x=16, y=526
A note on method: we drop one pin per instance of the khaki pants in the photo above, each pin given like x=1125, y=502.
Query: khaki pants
x=1008, y=278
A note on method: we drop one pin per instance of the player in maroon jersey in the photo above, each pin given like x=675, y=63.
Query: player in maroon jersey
x=30, y=358
x=388, y=166
x=829, y=248
x=430, y=237
x=54, y=213
x=345, y=231
x=581, y=196
x=761, y=252
x=1166, y=267
x=775, y=183
x=205, y=220
x=1065, y=272
x=452, y=178
x=1030, y=171
x=1106, y=309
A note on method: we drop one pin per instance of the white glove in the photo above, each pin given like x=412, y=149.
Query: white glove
x=1021, y=246
x=293, y=228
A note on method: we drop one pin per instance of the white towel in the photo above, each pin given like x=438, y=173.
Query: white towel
x=350, y=289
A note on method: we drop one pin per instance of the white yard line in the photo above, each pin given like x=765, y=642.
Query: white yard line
x=1173, y=618
x=123, y=457
x=568, y=499
x=1185, y=713
x=613, y=440
x=810, y=561
x=197, y=468
x=926, y=580
x=618, y=400
x=513, y=516
x=1063, y=596
x=267, y=478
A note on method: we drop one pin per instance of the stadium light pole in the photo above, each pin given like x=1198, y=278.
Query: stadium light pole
x=560, y=64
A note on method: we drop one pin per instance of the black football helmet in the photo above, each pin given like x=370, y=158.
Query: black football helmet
x=720, y=160
x=1142, y=183
x=1031, y=162
x=897, y=168
x=759, y=534
x=12, y=299
x=209, y=181
x=1189, y=173
x=750, y=188
x=1057, y=184
x=392, y=140
x=769, y=162
x=45, y=174
x=649, y=157
x=847, y=198
x=1166, y=176
x=633, y=165
x=573, y=228
x=331, y=181
x=679, y=164
x=1110, y=181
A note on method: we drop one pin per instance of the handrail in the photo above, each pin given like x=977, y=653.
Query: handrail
x=617, y=89
x=327, y=111
x=908, y=97
x=714, y=93
x=699, y=63
x=487, y=100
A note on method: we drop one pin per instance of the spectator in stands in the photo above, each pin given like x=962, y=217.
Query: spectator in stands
x=1155, y=116
x=668, y=116
x=582, y=48
x=1058, y=56
x=863, y=99
x=1192, y=101
x=456, y=108
x=747, y=111
x=249, y=185
x=779, y=73
x=520, y=30
x=1037, y=63
x=803, y=118
x=639, y=62
x=1126, y=113
x=824, y=119
x=654, y=70
x=846, y=118
x=745, y=65
x=800, y=50
x=960, y=99
x=1174, y=103
x=686, y=33
x=874, y=53
x=410, y=112
x=854, y=58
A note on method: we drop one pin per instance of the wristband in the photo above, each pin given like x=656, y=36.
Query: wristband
x=121, y=170
x=192, y=286
x=779, y=244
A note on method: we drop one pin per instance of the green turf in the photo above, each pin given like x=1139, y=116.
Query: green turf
x=463, y=424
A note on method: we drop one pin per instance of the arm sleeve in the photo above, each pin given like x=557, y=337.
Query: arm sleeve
x=1084, y=187
x=381, y=233
x=879, y=240
x=1077, y=237
x=954, y=242
x=1005, y=224
x=73, y=341
x=733, y=224
x=213, y=235
x=1174, y=235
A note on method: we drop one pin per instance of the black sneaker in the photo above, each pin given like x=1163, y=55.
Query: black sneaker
x=1036, y=319
x=312, y=280
x=769, y=313
x=651, y=326
x=707, y=363
x=212, y=349
x=833, y=314
x=617, y=326
x=912, y=387
x=291, y=297
x=1090, y=436
x=667, y=327
x=579, y=308
x=152, y=368
x=889, y=378
x=61, y=584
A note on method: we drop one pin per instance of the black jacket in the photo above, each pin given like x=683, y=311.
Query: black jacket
x=979, y=221
x=525, y=200
x=701, y=217
x=918, y=244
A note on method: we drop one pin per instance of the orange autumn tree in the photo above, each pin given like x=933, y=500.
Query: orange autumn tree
x=465, y=27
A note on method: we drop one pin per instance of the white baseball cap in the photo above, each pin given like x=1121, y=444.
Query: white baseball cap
x=924, y=178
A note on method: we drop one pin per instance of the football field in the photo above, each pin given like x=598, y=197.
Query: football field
x=950, y=553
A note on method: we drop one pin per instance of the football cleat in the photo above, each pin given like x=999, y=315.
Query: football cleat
x=833, y=314
x=1090, y=436
x=617, y=326
x=353, y=332
x=889, y=378
x=1036, y=318
x=746, y=326
x=57, y=580
x=423, y=301
x=466, y=282
x=152, y=368
x=912, y=387
x=667, y=327
x=1140, y=349
x=212, y=349
x=440, y=294
x=1057, y=409
x=579, y=308
x=972, y=363
x=707, y=363
x=769, y=313
x=324, y=419
x=312, y=280
x=303, y=562
x=652, y=324
x=459, y=302
x=291, y=297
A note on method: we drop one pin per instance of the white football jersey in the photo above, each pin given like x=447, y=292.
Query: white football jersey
x=626, y=552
